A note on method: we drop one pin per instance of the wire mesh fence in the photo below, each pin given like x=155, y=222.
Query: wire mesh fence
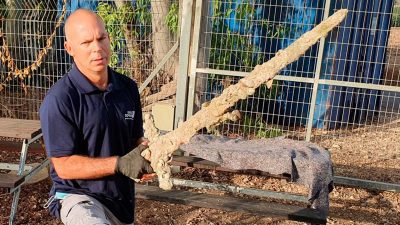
x=347, y=82
x=344, y=90
x=33, y=57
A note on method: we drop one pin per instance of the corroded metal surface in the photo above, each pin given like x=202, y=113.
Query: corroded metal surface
x=161, y=148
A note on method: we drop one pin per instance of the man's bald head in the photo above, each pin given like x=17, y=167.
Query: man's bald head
x=87, y=41
x=77, y=17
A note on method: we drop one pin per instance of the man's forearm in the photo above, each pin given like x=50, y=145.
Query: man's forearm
x=83, y=167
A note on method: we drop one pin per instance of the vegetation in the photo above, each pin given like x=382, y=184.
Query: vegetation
x=257, y=127
x=172, y=19
x=3, y=9
x=233, y=47
x=130, y=29
x=236, y=50
x=115, y=20
x=396, y=17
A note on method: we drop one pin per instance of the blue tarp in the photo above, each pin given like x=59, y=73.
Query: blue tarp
x=356, y=53
x=295, y=17
x=73, y=5
x=358, y=56
x=294, y=99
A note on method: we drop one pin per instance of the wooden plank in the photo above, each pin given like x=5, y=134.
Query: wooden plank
x=10, y=180
x=226, y=203
x=17, y=128
x=195, y=162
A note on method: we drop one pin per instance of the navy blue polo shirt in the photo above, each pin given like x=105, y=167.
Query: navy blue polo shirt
x=77, y=118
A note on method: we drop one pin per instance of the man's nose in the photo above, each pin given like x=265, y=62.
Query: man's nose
x=96, y=46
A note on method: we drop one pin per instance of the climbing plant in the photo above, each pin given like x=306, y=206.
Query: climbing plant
x=10, y=62
x=172, y=18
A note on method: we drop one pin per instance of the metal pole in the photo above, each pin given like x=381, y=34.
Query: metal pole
x=317, y=76
x=32, y=173
x=158, y=67
x=194, y=58
x=240, y=190
x=14, y=204
x=378, y=87
x=182, y=78
x=22, y=159
x=367, y=184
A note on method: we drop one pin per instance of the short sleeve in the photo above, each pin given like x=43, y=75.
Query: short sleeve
x=61, y=135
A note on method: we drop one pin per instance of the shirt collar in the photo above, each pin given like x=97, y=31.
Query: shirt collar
x=86, y=87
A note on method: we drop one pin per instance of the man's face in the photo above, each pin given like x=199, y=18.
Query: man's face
x=89, y=44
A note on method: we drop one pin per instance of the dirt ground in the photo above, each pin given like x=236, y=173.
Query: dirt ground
x=373, y=155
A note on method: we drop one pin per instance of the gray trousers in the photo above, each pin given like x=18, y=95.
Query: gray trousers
x=85, y=210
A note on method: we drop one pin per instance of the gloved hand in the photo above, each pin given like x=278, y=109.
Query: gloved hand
x=133, y=165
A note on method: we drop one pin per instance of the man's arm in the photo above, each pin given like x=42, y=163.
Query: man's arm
x=132, y=165
x=83, y=167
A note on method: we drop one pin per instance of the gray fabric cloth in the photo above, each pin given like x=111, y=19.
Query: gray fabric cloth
x=307, y=163
x=85, y=210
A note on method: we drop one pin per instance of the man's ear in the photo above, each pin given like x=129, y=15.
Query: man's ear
x=68, y=48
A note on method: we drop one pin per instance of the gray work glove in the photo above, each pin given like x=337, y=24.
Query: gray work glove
x=133, y=165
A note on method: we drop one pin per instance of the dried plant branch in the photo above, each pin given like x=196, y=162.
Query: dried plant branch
x=166, y=91
x=161, y=148
x=26, y=72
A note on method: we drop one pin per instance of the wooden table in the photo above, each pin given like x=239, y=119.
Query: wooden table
x=16, y=128
x=28, y=131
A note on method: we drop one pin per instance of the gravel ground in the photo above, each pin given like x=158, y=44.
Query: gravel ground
x=371, y=155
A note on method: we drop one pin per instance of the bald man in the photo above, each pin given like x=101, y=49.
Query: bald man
x=92, y=127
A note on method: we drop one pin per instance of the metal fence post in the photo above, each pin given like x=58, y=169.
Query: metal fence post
x=182, y=78
x=317, y=76
x=194, y=57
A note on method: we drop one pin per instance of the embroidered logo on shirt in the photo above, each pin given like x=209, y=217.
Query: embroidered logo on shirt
x=129, y=115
